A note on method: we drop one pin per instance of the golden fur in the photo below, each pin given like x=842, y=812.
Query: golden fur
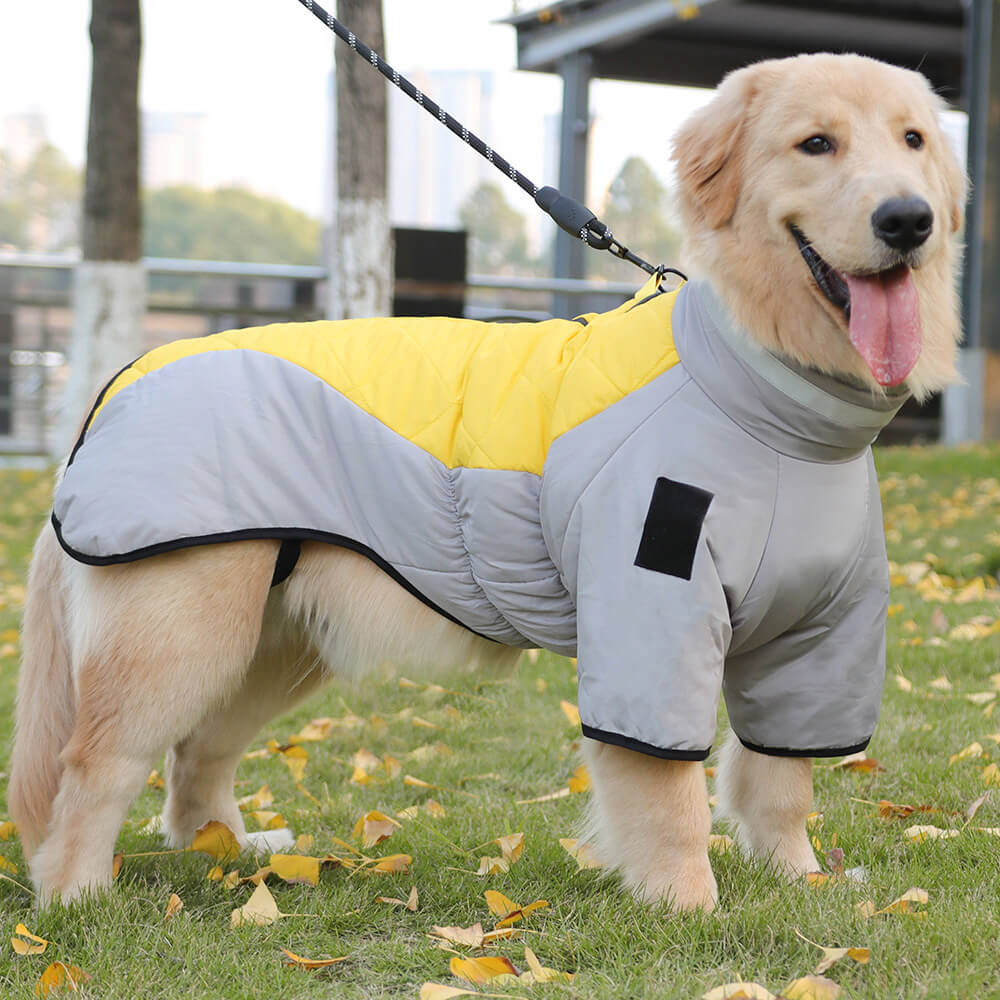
x=190, y=653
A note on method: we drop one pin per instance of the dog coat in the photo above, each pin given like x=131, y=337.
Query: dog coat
x=644, y=489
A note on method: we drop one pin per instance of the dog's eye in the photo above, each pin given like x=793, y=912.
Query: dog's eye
x=914, y=139
x=816, y=145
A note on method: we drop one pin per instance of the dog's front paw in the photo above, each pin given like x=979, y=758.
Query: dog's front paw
x=692, y=887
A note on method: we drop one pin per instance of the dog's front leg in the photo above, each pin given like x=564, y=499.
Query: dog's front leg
x=769, y=799
x=650, y=820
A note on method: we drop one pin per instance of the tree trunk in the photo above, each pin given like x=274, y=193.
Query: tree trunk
x=109, y=287
x=360, y=242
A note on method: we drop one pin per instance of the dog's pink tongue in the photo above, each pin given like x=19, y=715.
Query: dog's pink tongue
x=885, y=323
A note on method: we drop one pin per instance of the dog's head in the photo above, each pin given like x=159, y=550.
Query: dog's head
x=820, y=197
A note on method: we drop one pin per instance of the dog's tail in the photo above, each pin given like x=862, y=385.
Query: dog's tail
x=46, y=699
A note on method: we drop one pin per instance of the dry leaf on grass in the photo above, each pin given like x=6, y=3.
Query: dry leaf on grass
x=436, y=991
x=811, y=988
x=410, y=903
x=832, y=955
x=721, y=843
x=374, y=827
x=6, y=865
x=268, y=820
x=7, y=830
x=918, y=834
x=481, y=970
x=299, y=962
x=295, y=759
x=507, y=910
x=260, y=799
x=260, y=909
x=393, y=863
x=313, y=731
x=295, y=868
x=174, y=906
x=25, y=943
x=739, y=991
x=216, y=840
x=470, y=937
x=906, y=903
x=538, y=973
x=59, y=976
x=973, y=750
x=571, y=712
x=583, y=854
x=859, y=763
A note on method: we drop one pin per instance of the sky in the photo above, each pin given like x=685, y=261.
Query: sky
x=259, y=69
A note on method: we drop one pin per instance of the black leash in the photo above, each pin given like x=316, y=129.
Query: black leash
x=568, y=214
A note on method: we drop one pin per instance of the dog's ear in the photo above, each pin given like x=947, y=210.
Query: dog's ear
x=708, y=149
x=957, y=186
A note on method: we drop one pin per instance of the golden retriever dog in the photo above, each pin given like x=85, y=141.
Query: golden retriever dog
x=821, y=203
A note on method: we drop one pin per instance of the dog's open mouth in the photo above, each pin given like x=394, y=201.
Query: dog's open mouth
x=881, y=310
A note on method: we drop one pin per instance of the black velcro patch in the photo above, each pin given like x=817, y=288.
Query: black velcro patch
x=673, y=526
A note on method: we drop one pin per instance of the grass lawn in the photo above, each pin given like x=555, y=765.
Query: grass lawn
x=485, y=744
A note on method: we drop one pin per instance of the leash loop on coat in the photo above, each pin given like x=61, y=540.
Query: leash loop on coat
x=569, y=214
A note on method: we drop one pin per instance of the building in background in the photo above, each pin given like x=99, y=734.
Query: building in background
x=175, y=149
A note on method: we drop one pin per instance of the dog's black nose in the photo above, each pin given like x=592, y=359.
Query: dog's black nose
x=903, y=223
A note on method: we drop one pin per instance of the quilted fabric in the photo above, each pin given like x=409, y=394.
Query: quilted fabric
x=474, y=395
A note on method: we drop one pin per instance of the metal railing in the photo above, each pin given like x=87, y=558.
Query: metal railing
x=192, y=298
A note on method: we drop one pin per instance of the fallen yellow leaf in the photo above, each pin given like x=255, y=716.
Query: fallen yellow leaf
x=309, y=963
x=174, y=906
x=7, y=830
x=541, y=974
x=394, y=863
x=720, y=842
x=511, y=846
x=811, y=988
x=972, y=750
x=481, y=970
x=313, y=731
x=26, y=943
x=295, y=868
x=920, y=833
x=583, y=854
x=260, y=799
x=471, y=937
x=260, y=909
x=6, y=865
x=435, y=991
x=59, y=976
x=374, y=827
x=571, y=712
x=295, y=758
x=216, y=840
x=580, y=780
x=739, y=991
x=410, y=903
x=906, y=902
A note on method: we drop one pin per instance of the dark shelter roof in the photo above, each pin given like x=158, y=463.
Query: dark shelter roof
x=696, y=43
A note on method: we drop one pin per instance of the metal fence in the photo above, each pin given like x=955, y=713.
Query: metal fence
x=191, y=298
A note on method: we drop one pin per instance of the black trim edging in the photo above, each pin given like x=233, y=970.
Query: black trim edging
x=647, y=748
x=275, y=534
x=820, y=752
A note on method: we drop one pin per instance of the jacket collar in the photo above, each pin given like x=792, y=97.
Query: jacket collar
x=795, y=410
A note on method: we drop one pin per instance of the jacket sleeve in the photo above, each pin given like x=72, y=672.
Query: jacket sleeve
x=653, y=620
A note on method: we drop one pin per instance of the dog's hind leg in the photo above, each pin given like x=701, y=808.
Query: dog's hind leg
x=769, y=799
x=650, y=820
x=201, y=768
x=154, y=642
x=46, y=701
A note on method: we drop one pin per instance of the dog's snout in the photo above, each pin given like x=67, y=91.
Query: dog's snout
x=903, y=223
